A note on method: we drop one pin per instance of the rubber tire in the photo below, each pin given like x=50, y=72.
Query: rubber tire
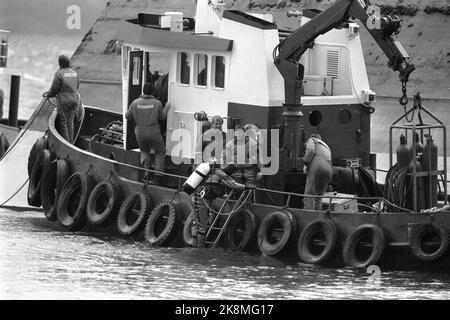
x=420, y=232
x=40, y=144
x=34, y=185
x=63, y=174
x=290, y=229
x=329, y=229
x=109, y=212
x=171, y=228
x=77, y=181
x=188, y=239
x=378, y=244
x=249, y=233
x=144, y=210
x=49, y=190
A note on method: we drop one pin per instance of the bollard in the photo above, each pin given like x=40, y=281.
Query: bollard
x=14, y=100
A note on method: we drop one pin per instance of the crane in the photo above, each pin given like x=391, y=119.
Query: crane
x=287, y=56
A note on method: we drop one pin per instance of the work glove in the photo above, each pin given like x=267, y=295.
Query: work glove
x=305, y=169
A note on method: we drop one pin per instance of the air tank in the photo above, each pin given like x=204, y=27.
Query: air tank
x=429, y=163
x=419, y=185
x=403, y=153
x=419, y=146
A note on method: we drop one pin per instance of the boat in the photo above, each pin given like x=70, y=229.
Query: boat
x=10, y=126
x=242, y=67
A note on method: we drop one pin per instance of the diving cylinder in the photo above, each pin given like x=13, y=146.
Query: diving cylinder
x=429, y=163
x=419, y=146
x=419, y=185
x=403, y=153
x=199, y=174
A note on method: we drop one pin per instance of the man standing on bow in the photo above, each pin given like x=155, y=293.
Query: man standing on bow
x=65, y=88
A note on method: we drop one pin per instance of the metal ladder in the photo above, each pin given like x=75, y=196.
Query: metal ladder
x=216, y=225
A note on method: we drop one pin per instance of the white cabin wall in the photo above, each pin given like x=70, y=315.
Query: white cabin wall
x=186, y=100
x=208, y=16
x=252, y=73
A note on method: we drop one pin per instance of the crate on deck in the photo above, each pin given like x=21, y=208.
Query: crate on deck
x=349, y=204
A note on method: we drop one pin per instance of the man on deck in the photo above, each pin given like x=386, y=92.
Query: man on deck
x=147, y=111
x=65, y=88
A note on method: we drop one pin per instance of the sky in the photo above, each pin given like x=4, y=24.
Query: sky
x=48, y=16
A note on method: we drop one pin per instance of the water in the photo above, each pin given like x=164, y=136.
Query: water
x=40, y=261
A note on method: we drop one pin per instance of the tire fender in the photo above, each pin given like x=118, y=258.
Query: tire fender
x=351, y=243
x=266, y=242
x=163, y=224
x=135, y=209
x=104, y=203
x=328, y=229
x=71, y=209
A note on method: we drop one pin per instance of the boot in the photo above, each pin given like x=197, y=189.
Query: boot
x=160, y=162
x=201, y=241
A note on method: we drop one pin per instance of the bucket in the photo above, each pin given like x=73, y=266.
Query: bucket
x=176, y=21
x=4, y=35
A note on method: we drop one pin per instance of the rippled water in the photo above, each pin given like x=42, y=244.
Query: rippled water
x=39, y=261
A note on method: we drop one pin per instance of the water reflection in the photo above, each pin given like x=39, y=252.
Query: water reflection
x=39, y=261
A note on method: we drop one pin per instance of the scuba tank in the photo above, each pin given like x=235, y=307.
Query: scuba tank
x=429, y=163
x=194, y=180
x=403, y=153
x=419, y=146
x=419, y=185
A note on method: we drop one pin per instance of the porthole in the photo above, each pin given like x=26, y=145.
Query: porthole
x=315, y=118
x=345, y=116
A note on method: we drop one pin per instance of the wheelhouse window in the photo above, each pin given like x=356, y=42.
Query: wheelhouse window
x=184, y=67
x=201, y=69
x=219, y=71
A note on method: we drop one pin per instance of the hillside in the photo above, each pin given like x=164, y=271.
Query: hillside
x=424, y=35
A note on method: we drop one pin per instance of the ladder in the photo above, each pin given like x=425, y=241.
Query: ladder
x=216, y=227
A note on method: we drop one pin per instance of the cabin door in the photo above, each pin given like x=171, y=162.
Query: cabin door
x=134, y=91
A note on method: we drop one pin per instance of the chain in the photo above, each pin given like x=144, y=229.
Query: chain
x=404, y=99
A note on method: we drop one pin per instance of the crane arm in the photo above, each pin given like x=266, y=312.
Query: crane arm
x=292, y=48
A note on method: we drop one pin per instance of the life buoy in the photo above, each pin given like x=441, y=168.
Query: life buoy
x=275, y=231
x=103, y=203
x=188, y=237
x=319, y=233
x=241, y=230
x=369, y=232
x=163, y=224
x=133, y=212
x=49, y=188
x=71, y=213
x=40, y=144
x=43, y=158
x=429, y=242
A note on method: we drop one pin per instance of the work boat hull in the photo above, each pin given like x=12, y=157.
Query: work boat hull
x=347, y=238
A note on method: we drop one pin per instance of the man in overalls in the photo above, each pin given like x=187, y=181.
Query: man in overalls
x=147, y=111
x=65, y=88
x=317, y=165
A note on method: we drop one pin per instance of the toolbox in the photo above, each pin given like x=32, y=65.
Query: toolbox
x=350, y=204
